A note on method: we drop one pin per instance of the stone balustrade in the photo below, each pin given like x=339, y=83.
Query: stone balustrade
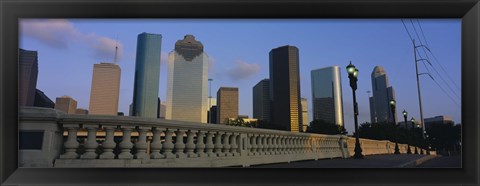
x=122, y=141
x=166, y=143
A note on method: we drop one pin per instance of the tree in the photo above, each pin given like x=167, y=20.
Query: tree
x=323, y=127
x=445, y=138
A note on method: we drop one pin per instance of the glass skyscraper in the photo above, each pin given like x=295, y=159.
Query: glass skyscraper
x=261, y=100
x=285, y=110
x=147, y=75
x=187, y=84
x=379, y=103
x=327, y=98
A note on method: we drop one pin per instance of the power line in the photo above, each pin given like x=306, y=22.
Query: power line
x=411, y=39
x=436, y=60
x=426, y=54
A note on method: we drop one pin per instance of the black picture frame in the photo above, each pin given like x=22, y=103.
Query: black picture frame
x=11, y=11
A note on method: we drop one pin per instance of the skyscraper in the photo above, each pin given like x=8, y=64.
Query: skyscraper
x=27, y=77
x=105, y=89
x=261, y=100
x=147, y=75
x=285, y=110
x=66, y=104
x=382, y=94
x=304, y=114
x=227, y=104
x=187, y=84
x=327, y=98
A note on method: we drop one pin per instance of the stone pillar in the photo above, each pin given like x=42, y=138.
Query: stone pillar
x=218, y=144
x=156, y=144
x=71, y=145
x=91, y=144
x=209, y=144
x=179, y=144
x=200, y=146
x=168, y=144
x=126, y=144
x=109, y=144
x=226, y=144
x=141, y=144
x=190, y=146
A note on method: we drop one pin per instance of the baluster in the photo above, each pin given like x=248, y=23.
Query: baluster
x=91, y=144
x=297, y=144
x=226, y=144
x=218, y=144
x=109, y=144
x=141, y=144
x=283, y=145
x=168, y=144
x=253, y=144
x=200, y=146
x=126, y=144
x=274, y=144
x=156, y=144
x=234, y=146
x=190, y=146
x=269, y=150
x=209, y=146
x=71, y=145
x=259, y=144
x=179, y=144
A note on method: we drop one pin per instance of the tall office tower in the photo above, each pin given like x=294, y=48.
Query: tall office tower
x=187, y=84
x=27, y=77
x=66, y=104
x=227, y=104
x=382, y=94
x=105, y=89
x=285, y=110
x=327, y=98
x=214, y=110
x=147, y=75
x=304, y=114
x=261, y=100
x=212, y=102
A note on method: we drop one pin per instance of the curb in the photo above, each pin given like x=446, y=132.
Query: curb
x=417, y=161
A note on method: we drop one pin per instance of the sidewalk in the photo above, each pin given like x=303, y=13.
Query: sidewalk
x=371, y=161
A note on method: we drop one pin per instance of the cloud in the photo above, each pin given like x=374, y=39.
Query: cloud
x=60, y=33
x=52, y=32
x=243, y=70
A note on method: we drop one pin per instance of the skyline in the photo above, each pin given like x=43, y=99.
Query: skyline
x=244, y=68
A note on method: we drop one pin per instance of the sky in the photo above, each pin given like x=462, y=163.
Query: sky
x=238, y=53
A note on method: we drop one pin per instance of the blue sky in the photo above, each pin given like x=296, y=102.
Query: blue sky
x=238, y=51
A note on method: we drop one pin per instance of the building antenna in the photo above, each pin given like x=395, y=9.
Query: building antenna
x=116, y=50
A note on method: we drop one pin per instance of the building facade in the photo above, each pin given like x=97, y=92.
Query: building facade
x=304, y=114
x=285, y=109
x=147, y=75
x=227, y=104
x=81, y=111
x=187, y=84
x=27, y=77
x=66, y=104
x=327, y=100
x=442, y=120
x=382, y=94
x=261, y=100
x=105, y=89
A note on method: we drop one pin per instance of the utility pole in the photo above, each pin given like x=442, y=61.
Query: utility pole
x=418, y=86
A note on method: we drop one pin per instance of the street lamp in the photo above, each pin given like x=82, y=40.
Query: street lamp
x=405, y=113
x=392, y=106
x=352, y=75
x=414, y=134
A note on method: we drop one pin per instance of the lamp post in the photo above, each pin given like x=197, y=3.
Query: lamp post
x=392, y=106
x=405, y=113
x=352, y=75
x=414, y=134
